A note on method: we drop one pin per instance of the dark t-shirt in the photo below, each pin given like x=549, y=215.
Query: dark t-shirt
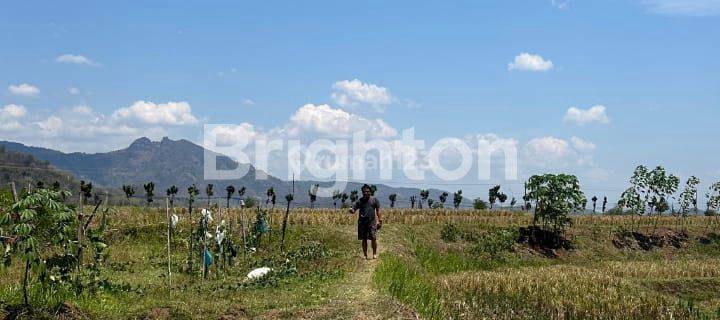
x=366, y=209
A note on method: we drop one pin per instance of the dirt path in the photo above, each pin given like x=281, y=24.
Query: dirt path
x=355, y=296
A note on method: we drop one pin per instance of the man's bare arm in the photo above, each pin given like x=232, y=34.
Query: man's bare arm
x=379, y=217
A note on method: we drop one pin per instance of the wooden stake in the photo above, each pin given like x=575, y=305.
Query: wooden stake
x=14, y=191
x=169, y=223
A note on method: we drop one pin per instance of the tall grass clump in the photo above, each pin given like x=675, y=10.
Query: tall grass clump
x=409, y=285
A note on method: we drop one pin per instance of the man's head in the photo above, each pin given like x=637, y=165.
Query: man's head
x=366, y=191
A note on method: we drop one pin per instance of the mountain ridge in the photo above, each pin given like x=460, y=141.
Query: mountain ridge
x=180, y=162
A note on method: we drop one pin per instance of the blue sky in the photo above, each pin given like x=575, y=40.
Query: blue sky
x=444, y=66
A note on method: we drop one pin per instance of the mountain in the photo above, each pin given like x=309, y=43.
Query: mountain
x=24, y=169
x=180, y=163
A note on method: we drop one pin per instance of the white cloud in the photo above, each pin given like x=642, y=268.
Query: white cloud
x=326, y=121
x=562, y=5
x=684, y=7
x=547, y=150
x=74, y=91
x=248, y=102
x=580, y=117
x=530, y=62
x=12, y=111
x=51, y=125
x=75, y=59
x=23, y=89
x=581, y=145
x=170, y=113
x=354, y=92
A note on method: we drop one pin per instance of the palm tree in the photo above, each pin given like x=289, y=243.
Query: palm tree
x=230, y=191
x=392, y=198
x=457, y=199
x=149, y=192
x=171, y=192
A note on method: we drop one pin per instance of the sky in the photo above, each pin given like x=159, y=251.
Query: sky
x=592, y=88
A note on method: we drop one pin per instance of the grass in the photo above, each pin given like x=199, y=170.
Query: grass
x=472, y=270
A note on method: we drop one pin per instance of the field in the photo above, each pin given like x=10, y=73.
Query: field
x=433, y=264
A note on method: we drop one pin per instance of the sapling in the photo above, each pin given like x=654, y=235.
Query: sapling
x=457, y=199
x=289, y=199
x=312, y=193
x=443, y=197
x=392, y=198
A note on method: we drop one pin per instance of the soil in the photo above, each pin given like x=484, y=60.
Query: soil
x=544, y=242
x=64, y=311
x=661, y=238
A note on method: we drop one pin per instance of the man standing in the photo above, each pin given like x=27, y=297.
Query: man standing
x=368, y=225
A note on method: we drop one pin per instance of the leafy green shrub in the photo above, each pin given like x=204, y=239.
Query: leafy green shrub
x=449, y=233
x=479, y=204
x=496, y=241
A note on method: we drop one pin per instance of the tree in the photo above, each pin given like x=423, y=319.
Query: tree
x=424, y=195
x=270, y=193
x=353, y=196
x=46, y=235
x=413, y=199
x=209, y=192
x=430, y=203
x=688, y=197
x=479, y=204
x=241, y=193
x=443, y=197
x=392, y=198
x=149, y=192
x=373, y=189
x=192, y=193
x=555, y=196
x=230, y=191
x=336, y=196
x=171, y=192
x=343, y=198
x=289, y=198
x=312, y=193
x=457, y=199
x=493, y=194
x=594, y=201
x=502, y=198
x=85, y=190
x=604, y=205
x=713, y=197
x=128, y=190
x=512, y=203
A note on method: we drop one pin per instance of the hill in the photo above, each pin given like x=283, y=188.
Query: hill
x=180, y=163
x=24, y=169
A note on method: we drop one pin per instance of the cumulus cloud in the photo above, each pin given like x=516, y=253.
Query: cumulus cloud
x=580, y=117
x=146, y=112
x=74, y=90
x=582, y=145
x=12, y=111
x=354, y=92
x=547, y=150
x=562, y=5
x=530, y=62
x=23, y=89
x=326, y=121
x=684, y=7
x=76, y=59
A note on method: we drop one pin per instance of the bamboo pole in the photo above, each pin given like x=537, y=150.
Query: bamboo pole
x=14, y=191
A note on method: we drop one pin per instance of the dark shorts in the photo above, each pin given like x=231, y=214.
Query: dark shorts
x=367, y=231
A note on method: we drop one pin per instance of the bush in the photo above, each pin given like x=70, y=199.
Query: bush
x=449, y=233
x=479, y=204
x=496, y=241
